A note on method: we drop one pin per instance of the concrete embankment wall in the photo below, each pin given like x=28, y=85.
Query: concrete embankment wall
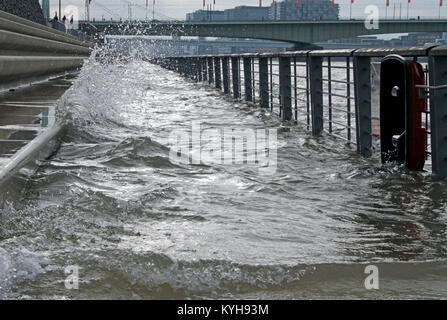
x=27, y=9
x=30, y=51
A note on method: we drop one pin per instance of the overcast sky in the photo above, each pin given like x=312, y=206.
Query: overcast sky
x=178, y=8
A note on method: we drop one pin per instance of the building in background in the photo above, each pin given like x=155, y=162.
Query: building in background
x=283, y=10
x=307, y=10
x=247, y=13
x=421, y=38
x=46, y=9
x=413, y=39
x=205, y=15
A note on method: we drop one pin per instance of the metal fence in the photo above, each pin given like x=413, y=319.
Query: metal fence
x=325, y=91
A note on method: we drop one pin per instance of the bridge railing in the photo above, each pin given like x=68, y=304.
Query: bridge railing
x=326, y=91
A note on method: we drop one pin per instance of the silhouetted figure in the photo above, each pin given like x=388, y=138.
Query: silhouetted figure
x=64, y=19
x=71, y=20
x=55, y=17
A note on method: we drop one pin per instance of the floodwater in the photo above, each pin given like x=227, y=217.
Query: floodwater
x=113, y=203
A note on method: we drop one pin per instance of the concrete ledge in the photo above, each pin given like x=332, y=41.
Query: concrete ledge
x=26, y=23
x=16, y=41
x=12, y=26
x=15, y=69
x=30, y=52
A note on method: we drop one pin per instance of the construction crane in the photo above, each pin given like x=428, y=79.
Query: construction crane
x=88, y=3
x=130, y=5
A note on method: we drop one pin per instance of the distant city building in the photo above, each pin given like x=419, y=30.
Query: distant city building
x=407, y=40
x=205, y=15
x=307, y=10
x=247, y=13
x=421, y=38
x=283, y=10
x=46, y=9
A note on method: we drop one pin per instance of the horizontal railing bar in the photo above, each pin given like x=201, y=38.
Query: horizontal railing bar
x=369, y=52
x=338, y=81
x=341, y=110
x=341, y=124
x=299, y=77
x=337, y=95
x=337, y=67
x=301, y=88
x=300, y=99
x=303, y=122
x=340, y=137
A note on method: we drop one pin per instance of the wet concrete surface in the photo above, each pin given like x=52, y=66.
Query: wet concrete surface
x=27, y=112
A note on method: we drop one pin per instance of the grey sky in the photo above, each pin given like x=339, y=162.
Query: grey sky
x=178, y=8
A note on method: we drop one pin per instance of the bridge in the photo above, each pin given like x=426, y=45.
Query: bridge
x=288, y=31
x=185, y=45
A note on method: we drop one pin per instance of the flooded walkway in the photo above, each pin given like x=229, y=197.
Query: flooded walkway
x=138, y=225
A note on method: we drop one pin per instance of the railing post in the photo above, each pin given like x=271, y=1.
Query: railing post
x=285, y=88
x=203, y=66
x=217, y=73
x=438, y=111
x=210, y=71
x=235, y=71
x=175, y=65
x=198, y=69
x=179, y=66
x=195, y=69
x=248, y=79
x=264, y=82
x=187, y=67
x=362, y=83
x=225, y=75
x=316, y=92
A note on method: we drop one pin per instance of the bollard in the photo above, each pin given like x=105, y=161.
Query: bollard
x=316, y=93
x=438, y=110
x=248, y=79
x=217, y=74
x=264, y=82
x=362, y=80
x=285, y=88
x=225, y=75
x=235, y=69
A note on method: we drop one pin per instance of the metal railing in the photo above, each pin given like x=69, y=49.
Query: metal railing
x=325, y=91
